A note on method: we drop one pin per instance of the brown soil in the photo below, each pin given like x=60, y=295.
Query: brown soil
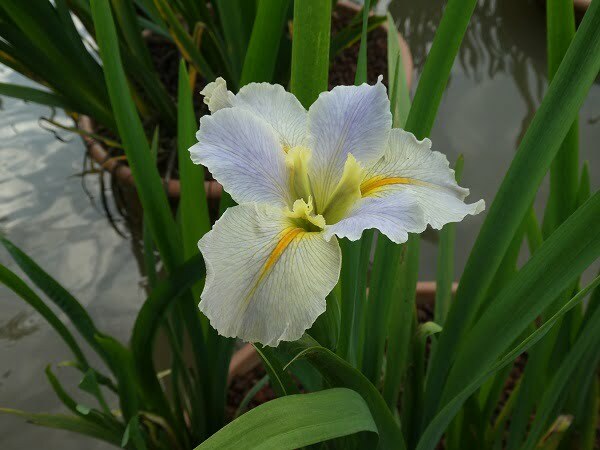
x=241, y=384
x=166, y=57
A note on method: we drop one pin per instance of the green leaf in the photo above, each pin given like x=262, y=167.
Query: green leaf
x=352, y=279
x=146, y=325
x=326, y=329
x=122, y=362
x=133, y=433
x=87, y=413
x=42, y=38
x=55, y=292
x=517, y=191
x=35, y=95
x=263, y=48
x=317, y=417
x=590, y=416
x=350, y=34
x=310, y=49
x=396, y=76
x=145, y=173
x=184, y=41
x=250, y=396
x=558, y=262
x=432, y=434
x=18, y=286
x=340, y=373
x=89, y=384
x=193, y=209
x=281, y=381
x=436, y=72
x=69, y=423
x=445, y=262
x=236, y=17
x=584, y=190
x=401, y=321
x=382, y=297
x=361, y=64
x=126, y=16
x=564, y=172
x=584, y=349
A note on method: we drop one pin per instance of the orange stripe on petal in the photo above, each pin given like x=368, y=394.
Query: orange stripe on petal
x=372, y=184
x=286, y=239
x=283, y=243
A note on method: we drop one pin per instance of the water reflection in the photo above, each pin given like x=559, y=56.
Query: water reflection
x=45, y=210
x=495, y=87
x=505, y=37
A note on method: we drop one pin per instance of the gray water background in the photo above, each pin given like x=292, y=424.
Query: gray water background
x=495, y=87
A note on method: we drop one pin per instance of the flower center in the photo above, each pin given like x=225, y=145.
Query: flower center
x=303, y=216
x=338, y=203
x=346, y=193
x=297, y=159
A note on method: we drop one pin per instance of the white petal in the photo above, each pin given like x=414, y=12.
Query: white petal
x=266, y=281
x=409, y=165
x=348, y=119
x=278, y=108
x=394, y=215
x=243, y=154
x=216, y=95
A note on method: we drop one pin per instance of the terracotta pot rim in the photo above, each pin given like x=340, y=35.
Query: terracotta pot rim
x=582, y=5
x=172, y=186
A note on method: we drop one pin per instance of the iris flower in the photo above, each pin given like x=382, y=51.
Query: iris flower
x=302, y=179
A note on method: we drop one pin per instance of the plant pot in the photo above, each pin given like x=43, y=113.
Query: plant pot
x=581, y=6
x=122, y=173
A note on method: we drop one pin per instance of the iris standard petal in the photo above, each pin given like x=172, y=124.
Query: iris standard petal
x=244, y=155
x=394, y=215
x=278, y=108
x=266, y=280
x=410, y=165
x=348, y=119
